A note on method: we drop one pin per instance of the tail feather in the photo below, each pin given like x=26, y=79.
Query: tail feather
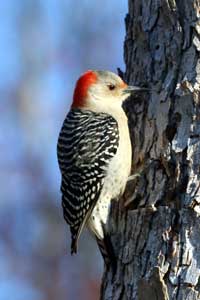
x=74, y=242
x=107, y=252
x=104, y=244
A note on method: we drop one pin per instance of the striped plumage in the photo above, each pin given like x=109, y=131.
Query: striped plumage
x=86, y=144
x=94, y=155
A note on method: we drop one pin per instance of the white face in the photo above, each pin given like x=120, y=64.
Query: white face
x=109, y=89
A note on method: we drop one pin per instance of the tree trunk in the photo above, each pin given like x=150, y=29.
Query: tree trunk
x=157, y=236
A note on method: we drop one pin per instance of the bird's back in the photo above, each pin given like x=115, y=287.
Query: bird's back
x=87, y=143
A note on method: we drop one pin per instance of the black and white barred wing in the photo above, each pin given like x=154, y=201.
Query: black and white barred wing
x=86, y=144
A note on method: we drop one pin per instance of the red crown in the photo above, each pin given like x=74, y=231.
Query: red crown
x=82, y=86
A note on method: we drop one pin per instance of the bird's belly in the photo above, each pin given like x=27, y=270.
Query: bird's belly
x=119, y=168
x=114, y=185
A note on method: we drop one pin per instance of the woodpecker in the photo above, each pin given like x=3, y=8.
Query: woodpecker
x=94, y=154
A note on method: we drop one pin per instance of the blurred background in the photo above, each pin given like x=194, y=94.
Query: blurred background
x=44, y=46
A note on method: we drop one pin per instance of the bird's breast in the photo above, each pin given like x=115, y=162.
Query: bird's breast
x=120, y=165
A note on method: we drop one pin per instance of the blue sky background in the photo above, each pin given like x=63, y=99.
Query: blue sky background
x=44, y=47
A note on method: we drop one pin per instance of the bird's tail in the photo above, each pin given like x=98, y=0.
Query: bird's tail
x=107, y=252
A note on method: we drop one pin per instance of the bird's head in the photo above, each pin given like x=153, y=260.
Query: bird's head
x=99, y=89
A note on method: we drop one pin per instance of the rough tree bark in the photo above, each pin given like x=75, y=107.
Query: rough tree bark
x=157, y=237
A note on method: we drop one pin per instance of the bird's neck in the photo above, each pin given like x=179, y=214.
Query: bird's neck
x=114, y=109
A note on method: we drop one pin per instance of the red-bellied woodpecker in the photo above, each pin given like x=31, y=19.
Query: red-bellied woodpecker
x=94, y=154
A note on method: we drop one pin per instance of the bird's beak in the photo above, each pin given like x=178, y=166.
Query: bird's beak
x=133, y=89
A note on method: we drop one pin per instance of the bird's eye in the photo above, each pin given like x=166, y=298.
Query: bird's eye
x=111, y=87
